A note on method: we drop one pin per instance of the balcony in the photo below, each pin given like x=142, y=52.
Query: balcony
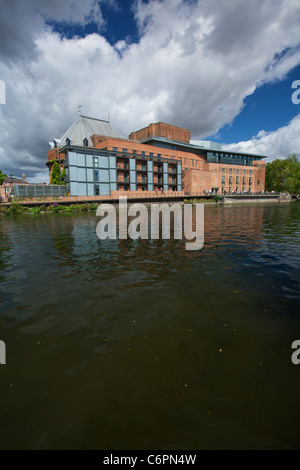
x=141, y=180
x=157, y=169
x=173, y=181
x=142, y=168
x=123, y=179
x=122, y=164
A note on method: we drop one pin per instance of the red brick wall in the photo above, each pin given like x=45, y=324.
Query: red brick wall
x=160, y=129
x=211, y=177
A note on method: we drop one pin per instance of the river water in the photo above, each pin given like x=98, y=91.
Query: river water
x=141, y=344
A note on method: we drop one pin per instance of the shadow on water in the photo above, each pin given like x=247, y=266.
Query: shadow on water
x=141, y=344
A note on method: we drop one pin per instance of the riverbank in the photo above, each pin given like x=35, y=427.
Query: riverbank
x=34, y=206
x=17, y=208
x=81, y=204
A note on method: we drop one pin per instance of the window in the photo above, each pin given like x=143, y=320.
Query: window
x=258, y=183
x=250, y=181
x=237, y=180
x=223, y=170
x=237, y=171
x=96, y=175
x=124, y=150
x=115, y=149
x=85, y=142
x=223, y=180
x=244, y=180
x=97, y=190
x=230, y=179
x=230, y=170
x=96, y=161
x=237, y=189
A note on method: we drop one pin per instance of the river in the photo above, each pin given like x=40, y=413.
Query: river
x=142, y=344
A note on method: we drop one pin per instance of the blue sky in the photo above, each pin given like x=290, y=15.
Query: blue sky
x=223, y=70
x=119, y=24
x=268, y=108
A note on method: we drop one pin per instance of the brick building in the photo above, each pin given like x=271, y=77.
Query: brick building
x=99, y=160
x=7, y=188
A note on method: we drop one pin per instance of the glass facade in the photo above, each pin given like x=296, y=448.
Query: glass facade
x=91, y=174
x=229, y=159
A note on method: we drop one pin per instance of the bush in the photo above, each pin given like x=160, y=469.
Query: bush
x=34, y=210
x=14, y=209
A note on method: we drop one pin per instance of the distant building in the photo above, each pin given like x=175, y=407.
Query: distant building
x=6, y=190
x=99, y=160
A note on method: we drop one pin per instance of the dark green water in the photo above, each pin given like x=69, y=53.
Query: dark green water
x=144, y=345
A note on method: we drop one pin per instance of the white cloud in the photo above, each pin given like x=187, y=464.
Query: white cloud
x=277, y=144
x=193, y=66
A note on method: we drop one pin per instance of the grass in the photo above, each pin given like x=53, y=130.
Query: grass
x=15, y=208
x=215, y=199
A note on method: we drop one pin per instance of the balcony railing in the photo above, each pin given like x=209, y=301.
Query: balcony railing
x=123, y=166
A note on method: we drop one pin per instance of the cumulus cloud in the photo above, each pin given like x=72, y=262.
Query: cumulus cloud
x=22, y=22
x=193, y=66
x=277, y=144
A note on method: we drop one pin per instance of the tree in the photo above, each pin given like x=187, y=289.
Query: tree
x=57, y=176
x=283, y=175
x=2, y=177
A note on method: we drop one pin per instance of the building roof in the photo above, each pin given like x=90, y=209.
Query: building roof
x=193, y=147
x=85, y=127
x=15, y=181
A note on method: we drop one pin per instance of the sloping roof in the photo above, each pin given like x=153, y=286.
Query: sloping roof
x=15, y=180
x=85, y=127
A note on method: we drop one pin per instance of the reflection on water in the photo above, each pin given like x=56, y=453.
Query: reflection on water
x=129, y=344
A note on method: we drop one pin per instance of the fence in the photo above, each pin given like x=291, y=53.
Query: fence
x=39, y=190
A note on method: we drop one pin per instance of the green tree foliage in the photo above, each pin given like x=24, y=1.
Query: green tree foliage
x=63, y=174
x=283, y=175
x=57, y=177
x=2, y=177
